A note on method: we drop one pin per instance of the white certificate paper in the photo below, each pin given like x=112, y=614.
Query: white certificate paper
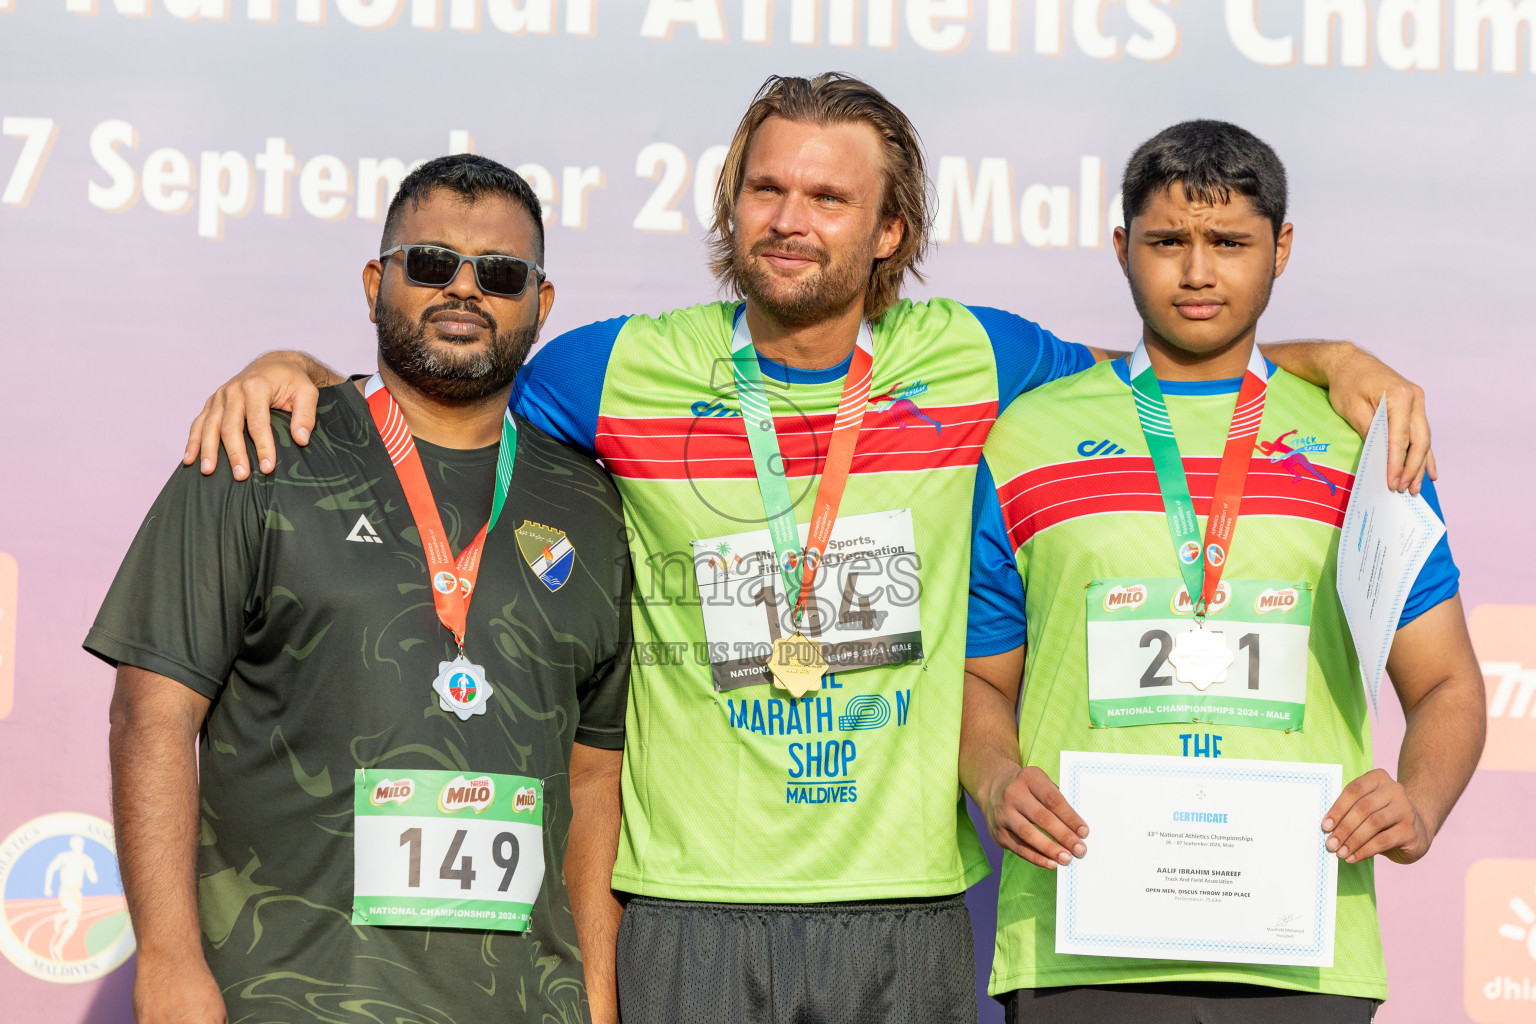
x=1387, y=538
x=1194, y=858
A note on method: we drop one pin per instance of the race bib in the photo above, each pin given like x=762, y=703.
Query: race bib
x=446, y=849
x=863, y=610
x=1132, y=628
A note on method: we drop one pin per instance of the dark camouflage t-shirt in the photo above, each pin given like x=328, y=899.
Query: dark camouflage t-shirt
x=300, y=604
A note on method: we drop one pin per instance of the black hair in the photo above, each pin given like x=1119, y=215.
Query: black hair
x=471, y=178
x=1212, y=160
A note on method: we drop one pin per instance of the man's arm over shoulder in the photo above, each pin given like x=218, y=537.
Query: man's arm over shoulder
x=1027, y=355
x=561, y=387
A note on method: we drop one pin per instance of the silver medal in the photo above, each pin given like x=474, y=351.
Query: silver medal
x=1200, y=657
x=461, y=687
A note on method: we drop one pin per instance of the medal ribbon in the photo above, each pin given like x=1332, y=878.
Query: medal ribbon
x=457, y=575
x=1202, y=572
x=768, y=461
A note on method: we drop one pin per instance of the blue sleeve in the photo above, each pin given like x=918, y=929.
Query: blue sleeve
x=994, y=620
x=1027, y=355
x=1439, y=579
x=559, y=389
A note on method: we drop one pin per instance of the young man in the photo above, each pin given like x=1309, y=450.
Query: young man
x=360, y=713
x=1205, y=238
x=772, y=836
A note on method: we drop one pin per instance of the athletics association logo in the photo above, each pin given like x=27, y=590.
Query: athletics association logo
x=1504, y=636
x=1499, y=984
x=63, y=917
x=1189, y=552
x=1293, y=457
x=547, y=551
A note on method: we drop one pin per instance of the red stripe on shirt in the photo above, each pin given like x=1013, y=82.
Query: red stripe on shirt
x=716, y=448
x=1050, y=495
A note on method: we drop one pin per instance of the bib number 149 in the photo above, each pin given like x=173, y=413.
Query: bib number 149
x=504, y=851
x=441, y=849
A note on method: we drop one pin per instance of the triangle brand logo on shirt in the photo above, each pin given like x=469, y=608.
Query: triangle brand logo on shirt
x=364, y=533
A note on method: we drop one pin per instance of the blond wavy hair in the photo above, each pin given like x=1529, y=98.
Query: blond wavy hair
x=833, y=99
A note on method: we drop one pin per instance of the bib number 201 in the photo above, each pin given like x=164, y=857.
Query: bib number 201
x=1249, y=643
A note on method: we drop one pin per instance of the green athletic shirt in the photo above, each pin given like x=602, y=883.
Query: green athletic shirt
x=299, y=604
x=1067, y=494
x=745, y=795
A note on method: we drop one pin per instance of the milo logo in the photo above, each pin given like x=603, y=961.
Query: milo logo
x=1125, y=598
x=461, y=793
x=390, y=791
x=525, y=799
x=1272, y=600
x=1182, y=605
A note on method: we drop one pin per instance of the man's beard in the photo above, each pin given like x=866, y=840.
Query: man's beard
x=448, y=375
x=819, y=297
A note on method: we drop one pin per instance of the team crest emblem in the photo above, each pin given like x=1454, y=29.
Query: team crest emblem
x=62, y=913
x=547, y=551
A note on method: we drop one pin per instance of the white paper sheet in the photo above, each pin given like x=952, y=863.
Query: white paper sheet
x=1387, y=538
x=1195, y=858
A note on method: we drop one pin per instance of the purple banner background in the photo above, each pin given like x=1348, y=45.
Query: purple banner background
x=1411, y=200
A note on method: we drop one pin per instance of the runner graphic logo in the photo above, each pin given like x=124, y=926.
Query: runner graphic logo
x=62, y=913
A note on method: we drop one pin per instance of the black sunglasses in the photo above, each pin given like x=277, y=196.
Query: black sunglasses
x=433, y=267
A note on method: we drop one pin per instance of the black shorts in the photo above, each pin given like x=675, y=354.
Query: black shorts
x=1182, y=1003
x=878, y=962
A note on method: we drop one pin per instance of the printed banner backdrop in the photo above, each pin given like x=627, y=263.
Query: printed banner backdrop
x=187, y=182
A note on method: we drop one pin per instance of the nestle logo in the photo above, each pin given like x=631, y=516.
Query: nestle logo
x=1124, y=598
x=461, y=793
x=391, y=791
x=1182, y=605
x=1272, y=600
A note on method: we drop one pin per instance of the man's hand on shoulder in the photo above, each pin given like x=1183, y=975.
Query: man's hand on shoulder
x=1374, y=815
x=289, y=381
x=1356, y=382
x=176, y=991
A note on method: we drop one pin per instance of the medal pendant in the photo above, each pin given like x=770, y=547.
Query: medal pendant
x=1200, y=657
x=797, y=664
x=461, y=687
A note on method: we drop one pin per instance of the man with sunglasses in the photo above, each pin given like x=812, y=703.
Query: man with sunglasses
x=794, y=846
x=392, y=677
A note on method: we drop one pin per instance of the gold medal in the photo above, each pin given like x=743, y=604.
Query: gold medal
x=797, y=664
